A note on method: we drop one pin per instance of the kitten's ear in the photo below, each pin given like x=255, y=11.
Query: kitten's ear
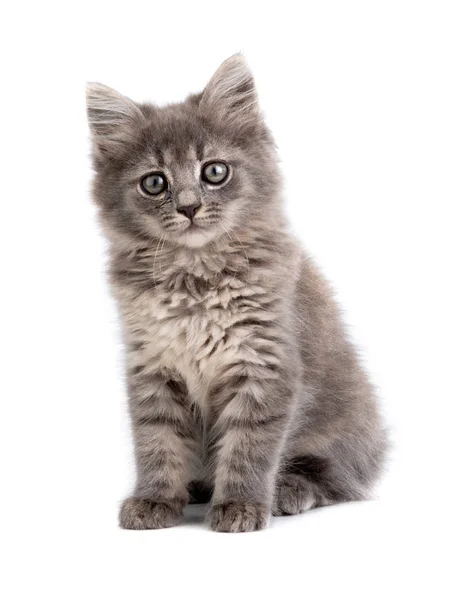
x=113, y=119
x=230, y=96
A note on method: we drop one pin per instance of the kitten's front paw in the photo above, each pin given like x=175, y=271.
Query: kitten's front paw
x=139, y=513
x=237, y=517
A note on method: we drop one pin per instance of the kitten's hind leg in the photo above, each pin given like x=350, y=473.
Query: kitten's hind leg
x=303, y=483
x=294, y=494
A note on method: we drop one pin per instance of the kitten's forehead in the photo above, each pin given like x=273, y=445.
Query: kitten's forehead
x=177, y=133
x=174, y=134
x=176, y=142
x=171, y=157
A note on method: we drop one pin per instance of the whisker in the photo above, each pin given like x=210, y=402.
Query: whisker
x=231, y=240
x=162, y=247
x=154, y=258
x=226, y=231
x=242, y=246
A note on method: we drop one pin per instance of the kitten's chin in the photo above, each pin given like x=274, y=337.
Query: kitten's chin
x=194, y=238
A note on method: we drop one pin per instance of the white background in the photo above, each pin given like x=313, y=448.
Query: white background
x=358, y=97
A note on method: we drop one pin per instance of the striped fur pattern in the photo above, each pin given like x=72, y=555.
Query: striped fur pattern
x=244, y=390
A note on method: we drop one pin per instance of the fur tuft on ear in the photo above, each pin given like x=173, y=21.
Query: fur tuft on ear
x=113, y=119
x=230, y=96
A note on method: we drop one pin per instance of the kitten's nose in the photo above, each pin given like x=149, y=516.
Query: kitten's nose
x=189, y=210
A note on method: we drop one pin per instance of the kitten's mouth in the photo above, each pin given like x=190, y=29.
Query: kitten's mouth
x=194, y=234
x=188, y=228
x=194, y=226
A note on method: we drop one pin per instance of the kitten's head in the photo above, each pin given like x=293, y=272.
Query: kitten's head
x=189, y=172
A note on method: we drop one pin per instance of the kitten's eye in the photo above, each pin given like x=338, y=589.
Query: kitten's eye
x=215, y=172
x=153, y=183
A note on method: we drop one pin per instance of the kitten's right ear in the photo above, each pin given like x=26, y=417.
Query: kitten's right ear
x=113, y=119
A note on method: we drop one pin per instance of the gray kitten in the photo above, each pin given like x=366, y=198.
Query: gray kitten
x=243, y=386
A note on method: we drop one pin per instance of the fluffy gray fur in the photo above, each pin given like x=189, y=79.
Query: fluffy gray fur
x=243, y=386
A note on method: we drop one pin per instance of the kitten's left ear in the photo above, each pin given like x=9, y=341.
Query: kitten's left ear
x=230, y=96
x=114, y=120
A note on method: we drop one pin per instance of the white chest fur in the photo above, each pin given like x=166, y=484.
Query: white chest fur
x=192, y=332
